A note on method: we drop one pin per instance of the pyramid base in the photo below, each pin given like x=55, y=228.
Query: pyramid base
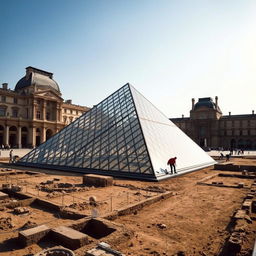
x=136, y=176
x=185, y=170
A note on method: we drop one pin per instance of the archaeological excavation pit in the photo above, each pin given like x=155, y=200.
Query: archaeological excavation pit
x=97, y=229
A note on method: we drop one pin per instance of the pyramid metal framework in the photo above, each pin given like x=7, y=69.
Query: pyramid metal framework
x=125, y=135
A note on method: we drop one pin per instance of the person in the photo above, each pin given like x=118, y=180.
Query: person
x=221, y=155
x=227, y=157
x=10, y=154
x=172, y=163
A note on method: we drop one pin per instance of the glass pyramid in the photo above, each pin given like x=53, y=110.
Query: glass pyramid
x=124, y=136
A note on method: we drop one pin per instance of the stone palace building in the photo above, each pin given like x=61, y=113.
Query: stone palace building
x=34, y=110
x=210, y=129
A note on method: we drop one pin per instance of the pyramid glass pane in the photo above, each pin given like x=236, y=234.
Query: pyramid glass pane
x=108, y=139
x=165, y=140
x=124, y=135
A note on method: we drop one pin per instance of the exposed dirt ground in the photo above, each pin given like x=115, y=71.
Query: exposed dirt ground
x=195, y=220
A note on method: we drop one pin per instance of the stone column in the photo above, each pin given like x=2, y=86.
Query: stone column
x=193, y=103
x=6, y=135
x=32, y=136
x=58, y=113
x=19, y=137
x=34, y=111
x=43, y=135
x=44, y=110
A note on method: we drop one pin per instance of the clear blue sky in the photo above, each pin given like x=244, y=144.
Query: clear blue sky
x=169, y=50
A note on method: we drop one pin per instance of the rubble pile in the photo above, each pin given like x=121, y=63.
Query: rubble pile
x=6, y=223
x=20, y=210
x=50, y=186
x=28, y=225
x=80, y=206
x=54, y=194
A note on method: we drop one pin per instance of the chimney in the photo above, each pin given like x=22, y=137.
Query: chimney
x=69, y=101
x=193, y=103
x=182, y=116
x=5, y=86
x=229, y=113
x=216, y=101
x=253, y=112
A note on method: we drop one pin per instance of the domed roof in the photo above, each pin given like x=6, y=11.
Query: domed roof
x=40, y=78
x=206, y=102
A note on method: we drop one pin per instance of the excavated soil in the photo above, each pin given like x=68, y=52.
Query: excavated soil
x=196, y=220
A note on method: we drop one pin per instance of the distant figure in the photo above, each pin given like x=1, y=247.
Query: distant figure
x=11, y=156
x=172, y=163
x=15, y=159
x=227, y=157
x=221, y=155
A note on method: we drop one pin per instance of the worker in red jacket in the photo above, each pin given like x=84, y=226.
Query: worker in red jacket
x=172, y=163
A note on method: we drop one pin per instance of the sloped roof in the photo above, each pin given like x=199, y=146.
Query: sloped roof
x=37, y=77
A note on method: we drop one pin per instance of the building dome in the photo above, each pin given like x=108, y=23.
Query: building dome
x=206, y=103
x=40, y=78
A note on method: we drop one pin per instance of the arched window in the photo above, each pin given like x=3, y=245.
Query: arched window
x=24, y=129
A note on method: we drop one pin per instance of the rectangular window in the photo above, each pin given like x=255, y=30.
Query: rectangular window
x=2, y=111
x=38, y=115
x=15, y=113
x=47, y=115
x=15, y=100
x=3, y=98
x=71, y=111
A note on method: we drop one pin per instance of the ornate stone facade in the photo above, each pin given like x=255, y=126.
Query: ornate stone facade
x=34, y=110
x=209, y=128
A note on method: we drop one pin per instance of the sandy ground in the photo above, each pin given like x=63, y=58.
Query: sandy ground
x=196, y=218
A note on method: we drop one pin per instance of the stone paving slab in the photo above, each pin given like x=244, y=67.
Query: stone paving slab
x=69, y=237
x=33, y=235
x=97, y=180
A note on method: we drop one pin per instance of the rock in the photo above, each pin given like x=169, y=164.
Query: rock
x=161, y=226
x=235, y=242
x=93, y=201
x=247, y=217
x=29, y=224
x=21, y=210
